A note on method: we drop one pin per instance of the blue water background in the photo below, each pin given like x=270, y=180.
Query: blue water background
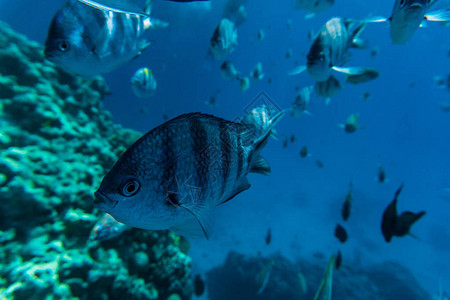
x=404, y=129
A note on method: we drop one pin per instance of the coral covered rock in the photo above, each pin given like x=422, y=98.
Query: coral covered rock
x=256, y=277
x=56, y=143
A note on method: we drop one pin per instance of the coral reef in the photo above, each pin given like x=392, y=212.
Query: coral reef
x=240, y=278
x=56, y=144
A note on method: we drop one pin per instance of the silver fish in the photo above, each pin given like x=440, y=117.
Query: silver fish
x=235, y=11
x=261, y=119
x=327, y=89
x=229, y=71
x=143, y=83
x=224, y=39
x=329, y=50
x=257, y=72
x=301, y=103
x=314, y=6
x=173, y=176
x=89, y=41
x=407, y=15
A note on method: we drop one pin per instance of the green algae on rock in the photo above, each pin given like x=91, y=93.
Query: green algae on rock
x=56, y=144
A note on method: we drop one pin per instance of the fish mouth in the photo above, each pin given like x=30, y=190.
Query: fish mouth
x=103, y=202
x=416, y=5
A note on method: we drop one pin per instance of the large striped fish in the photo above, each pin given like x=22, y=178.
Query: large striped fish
x=89, y=41
x=330, y=49
x=173, y=176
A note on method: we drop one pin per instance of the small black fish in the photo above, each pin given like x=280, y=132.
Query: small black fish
x=341, y=233
x=338, y=262
x=393, y=224
x=319, y=164
x=304, y=152
x=292, y=138
x=347, y=206
x=381, y=174
x=199, y=285
x=268, y=236
x=285, y=142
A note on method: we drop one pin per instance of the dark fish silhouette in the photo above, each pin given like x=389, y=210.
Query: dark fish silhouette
x=199, y=285
x=341, y=233
x=347, y=206
x=338, y=262
x=268, y=236
x=393, y=224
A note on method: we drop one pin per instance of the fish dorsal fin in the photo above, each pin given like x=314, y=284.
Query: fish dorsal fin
x=241, y=186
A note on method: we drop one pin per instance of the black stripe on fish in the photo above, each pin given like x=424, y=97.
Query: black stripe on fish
x=168, y=180
x=201, y=153
x=240, y=156
x=225, y=148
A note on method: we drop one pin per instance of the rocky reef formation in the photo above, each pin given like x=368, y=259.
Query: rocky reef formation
x=275, y=277
x=56, y=143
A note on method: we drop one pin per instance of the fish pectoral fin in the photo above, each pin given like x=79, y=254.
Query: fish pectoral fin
x=260, y=166
x=350, y=70
x=441, y=15
x=241, y=186
x=198, y=226
x=297, y=70
x=376, y=19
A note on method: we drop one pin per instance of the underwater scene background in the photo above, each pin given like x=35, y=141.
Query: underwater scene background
x=60, y=134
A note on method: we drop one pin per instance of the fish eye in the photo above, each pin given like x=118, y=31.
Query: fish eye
x=63, y=46
x=130, y=188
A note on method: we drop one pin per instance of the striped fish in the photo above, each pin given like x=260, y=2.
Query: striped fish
x=88, y=41
x=143, y=83
x=173, y=176
x=224, y=39
x=329, y=50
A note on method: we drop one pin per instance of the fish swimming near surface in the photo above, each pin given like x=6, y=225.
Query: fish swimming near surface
x=408, y=15
x=326, y=285
x=393, y=224
x=143, y=83
x=235, y=11
x=173, y=176
x=124, y=6
x=88, y=41
x=107, y=228
x=224, y=39
x=330, y=49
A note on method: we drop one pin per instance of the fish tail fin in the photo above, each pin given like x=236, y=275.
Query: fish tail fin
x=262, y=141
x=357, y=30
